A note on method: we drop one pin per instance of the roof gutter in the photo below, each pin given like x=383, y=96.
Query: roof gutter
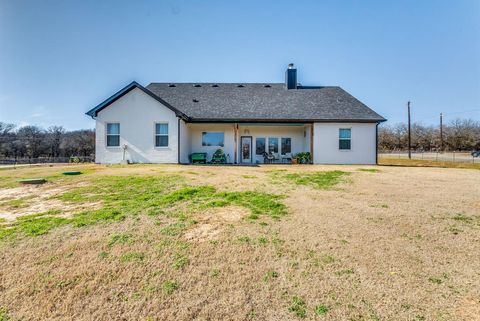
x=236, y=120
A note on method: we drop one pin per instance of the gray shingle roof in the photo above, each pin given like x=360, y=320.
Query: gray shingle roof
x=262, y=102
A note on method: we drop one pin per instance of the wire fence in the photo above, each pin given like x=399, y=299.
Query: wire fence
x=46, y=160
x=456, y=157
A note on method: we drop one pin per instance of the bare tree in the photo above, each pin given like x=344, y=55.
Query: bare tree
x=32, y=137
x=459, y=134
x=7, y=136
x=54, y=138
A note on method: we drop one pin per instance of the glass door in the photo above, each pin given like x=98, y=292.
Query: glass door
x=246, y=149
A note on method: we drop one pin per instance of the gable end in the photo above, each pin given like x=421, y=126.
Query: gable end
x=125, y=90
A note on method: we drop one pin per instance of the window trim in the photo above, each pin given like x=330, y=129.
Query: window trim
x=278, y=139
x=281, y=145
x=107, y=134
x=349, y=139
x=264, y=145
x=210, y=146
x=155, y=134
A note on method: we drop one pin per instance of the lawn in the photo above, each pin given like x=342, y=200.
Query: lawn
x=168, y=242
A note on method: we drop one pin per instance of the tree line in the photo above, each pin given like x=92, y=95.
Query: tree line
x=35, y=142
x=458, y=135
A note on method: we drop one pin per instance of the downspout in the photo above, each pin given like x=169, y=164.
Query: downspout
x=311, y=143
x=178, y=140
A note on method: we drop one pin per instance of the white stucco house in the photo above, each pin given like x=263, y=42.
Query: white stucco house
x=250, y=122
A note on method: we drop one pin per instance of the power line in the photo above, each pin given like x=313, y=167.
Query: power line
x=462, y=112
x=446, y=114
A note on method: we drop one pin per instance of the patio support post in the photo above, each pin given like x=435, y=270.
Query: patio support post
x=235, y=131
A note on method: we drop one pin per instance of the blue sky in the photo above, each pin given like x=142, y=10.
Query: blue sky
x=60, y=58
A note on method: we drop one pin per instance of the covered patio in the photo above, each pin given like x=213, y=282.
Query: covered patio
x=245, y=143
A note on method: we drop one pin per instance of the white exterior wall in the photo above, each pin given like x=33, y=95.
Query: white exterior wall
x=137, y=114
x=326, y=144
x=185, y=142
x=195, y=139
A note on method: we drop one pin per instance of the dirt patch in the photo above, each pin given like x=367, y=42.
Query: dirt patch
x=16, y=193
x=39, y=201
x=469, y=309
x=203, y=232
x=213, y=221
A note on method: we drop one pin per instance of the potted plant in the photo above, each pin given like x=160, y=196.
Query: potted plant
x=303, y=158
x=219, y=157
x=295, y=159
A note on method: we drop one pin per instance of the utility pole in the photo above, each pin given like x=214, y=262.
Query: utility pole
x=409, y=133
x=441, y=132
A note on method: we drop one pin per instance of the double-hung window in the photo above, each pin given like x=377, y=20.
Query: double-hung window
x=161, y=135
x=113, y=134
x=345, y=139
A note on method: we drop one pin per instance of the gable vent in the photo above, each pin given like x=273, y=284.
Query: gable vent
x=197, y=85
x=240, y=86
x=267, y=86
x=172, y=85
x=195, y=100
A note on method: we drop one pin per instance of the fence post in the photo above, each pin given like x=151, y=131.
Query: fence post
x=454, y=156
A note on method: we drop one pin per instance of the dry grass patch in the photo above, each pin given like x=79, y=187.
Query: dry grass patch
x=387, y=161
x=186, y=246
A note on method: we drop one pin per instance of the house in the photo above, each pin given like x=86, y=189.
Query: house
x=250, y=122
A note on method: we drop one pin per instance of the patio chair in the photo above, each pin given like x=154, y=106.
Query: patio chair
x=268, y=158
x=287, y=158
x=276, y=157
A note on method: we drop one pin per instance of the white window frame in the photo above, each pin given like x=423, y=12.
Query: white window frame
x=155, y=134
x=350, y=139
x=107, y=134
x=281, y=138
x=265, y=140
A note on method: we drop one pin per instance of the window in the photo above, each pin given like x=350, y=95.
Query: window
x=259, y=146
x=113, y=135
x=286, y=146
x=345, y=139
x=212, y=139
x=273, y=145
x=161, y=135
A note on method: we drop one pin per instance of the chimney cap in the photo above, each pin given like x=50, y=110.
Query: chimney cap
x=290, y=65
